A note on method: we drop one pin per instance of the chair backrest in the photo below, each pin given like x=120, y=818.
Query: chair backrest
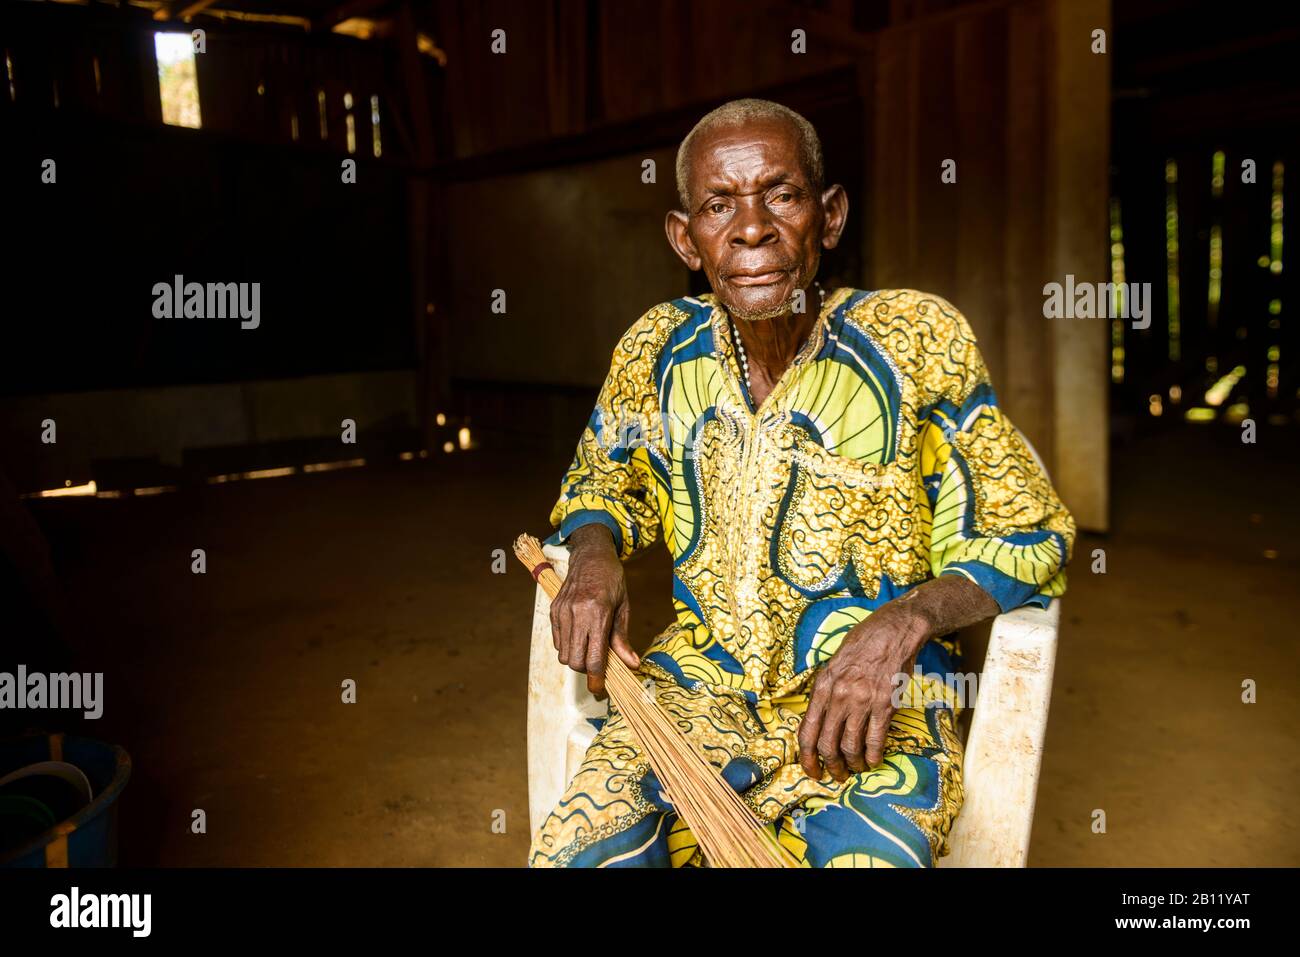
x=559, y=707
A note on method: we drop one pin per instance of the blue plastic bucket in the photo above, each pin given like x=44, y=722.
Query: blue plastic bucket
x=89, y=837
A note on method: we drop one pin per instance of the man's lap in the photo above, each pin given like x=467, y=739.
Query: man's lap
x=896, y=814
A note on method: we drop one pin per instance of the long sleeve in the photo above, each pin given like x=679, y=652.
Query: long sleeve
x=611, y=479
x=997, y=520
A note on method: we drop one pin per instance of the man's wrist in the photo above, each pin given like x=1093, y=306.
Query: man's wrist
x=948, y=603
x=592, y=537
x=917, y=618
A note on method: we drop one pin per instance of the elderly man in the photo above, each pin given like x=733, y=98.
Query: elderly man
x=843, y=494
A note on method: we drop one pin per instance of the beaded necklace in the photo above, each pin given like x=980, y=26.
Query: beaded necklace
x=740, y=346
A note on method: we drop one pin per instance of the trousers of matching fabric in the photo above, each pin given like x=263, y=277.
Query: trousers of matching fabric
x=896, y=814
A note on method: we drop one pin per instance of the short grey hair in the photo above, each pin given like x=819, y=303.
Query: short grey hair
x=739, y=112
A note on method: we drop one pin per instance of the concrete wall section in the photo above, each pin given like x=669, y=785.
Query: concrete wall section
x=1013, y=95
x=1078, y=194
x=599, y=262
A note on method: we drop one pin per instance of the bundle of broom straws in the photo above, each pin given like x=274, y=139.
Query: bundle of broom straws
x=728, y=833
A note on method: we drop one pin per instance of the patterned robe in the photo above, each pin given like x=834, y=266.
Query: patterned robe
x=879, y=460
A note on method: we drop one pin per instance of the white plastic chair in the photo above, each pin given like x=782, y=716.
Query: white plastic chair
x=1004, y=746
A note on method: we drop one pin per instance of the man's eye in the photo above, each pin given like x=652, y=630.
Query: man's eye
x=717, y=208
x=783, y=197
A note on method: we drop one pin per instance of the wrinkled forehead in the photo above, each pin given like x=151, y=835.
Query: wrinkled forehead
x=743, y=154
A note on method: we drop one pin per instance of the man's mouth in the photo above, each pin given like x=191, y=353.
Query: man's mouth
x=757, y=277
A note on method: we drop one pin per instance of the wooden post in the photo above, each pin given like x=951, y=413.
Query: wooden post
x=424, y=232
x=1078, y=191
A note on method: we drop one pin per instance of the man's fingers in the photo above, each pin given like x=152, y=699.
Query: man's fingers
x=586, y=623
x=853, y=744
x=828, y=742
x=596, y=650
x=598, y=641
x=555, y=624
x=626, y=654
x=810, y=728
x=560, y=629
x=619, y=640
x=878, y=734
x=596, y=626
x=577, y=646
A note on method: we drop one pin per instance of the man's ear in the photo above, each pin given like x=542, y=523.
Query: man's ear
x=835, y=206
x=679, y=237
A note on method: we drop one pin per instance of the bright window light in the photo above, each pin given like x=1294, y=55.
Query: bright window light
x=178, y=79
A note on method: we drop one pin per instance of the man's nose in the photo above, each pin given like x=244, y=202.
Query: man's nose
x=753, y=225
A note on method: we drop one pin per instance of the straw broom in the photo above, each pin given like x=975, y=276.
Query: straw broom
x=725, y=829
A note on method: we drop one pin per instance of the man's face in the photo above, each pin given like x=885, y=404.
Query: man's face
x=755, y=225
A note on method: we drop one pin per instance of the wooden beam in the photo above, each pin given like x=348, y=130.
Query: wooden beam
x=169, y=11
x=655, y=130
x=346, y=11
x=417, y=91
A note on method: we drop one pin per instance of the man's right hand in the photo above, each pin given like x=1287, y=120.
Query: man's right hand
x=590, y=614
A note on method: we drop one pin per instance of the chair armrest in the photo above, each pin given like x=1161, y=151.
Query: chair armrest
x=1005, y=747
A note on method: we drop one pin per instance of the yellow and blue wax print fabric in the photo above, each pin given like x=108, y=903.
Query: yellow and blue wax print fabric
x=880, y=459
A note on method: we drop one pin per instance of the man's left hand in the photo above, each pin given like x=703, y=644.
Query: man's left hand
x=847, y=723
x=853, y=695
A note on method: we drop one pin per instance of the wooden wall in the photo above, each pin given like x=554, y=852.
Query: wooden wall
x=573, y=66
x=137, y=202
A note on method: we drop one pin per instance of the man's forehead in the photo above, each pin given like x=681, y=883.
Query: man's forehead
x=771, y=147
x=769, y=137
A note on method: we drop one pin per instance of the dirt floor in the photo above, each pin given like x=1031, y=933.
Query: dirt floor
x=226, y=687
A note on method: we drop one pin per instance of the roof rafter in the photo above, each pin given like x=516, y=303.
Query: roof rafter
x=345, y=11
x=180, y=10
